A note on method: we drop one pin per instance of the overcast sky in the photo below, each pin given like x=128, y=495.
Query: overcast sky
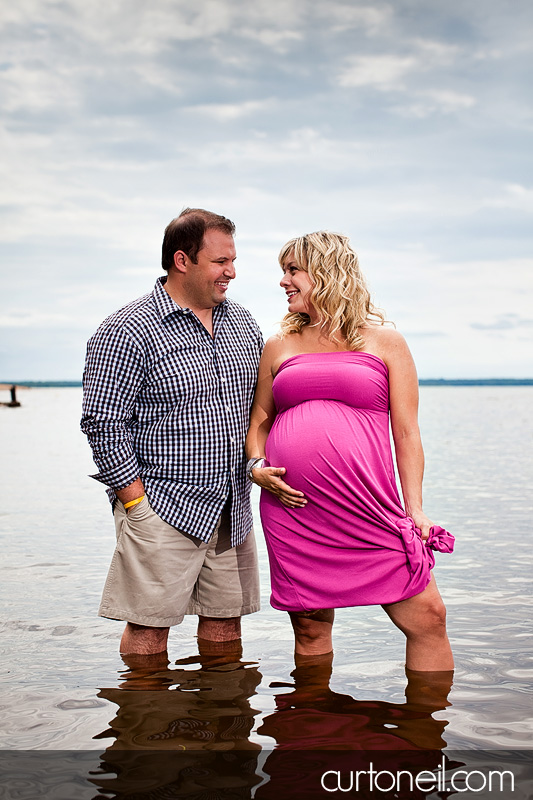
x=406, y=125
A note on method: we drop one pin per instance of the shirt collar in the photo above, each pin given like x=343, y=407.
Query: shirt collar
x=166, y=306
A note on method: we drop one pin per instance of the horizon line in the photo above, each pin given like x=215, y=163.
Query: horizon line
x=421, y=381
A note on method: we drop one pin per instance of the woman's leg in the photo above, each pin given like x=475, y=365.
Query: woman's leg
x=425, y=693
x=312, y=631
x=423, y=620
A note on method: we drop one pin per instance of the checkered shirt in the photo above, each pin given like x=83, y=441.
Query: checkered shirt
x=166, y=402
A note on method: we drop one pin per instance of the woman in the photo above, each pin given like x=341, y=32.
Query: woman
x=336, y=531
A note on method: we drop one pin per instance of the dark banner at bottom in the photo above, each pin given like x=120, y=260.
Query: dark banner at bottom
x=265, y=774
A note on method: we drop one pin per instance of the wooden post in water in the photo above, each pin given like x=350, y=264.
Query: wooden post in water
x=14, y=402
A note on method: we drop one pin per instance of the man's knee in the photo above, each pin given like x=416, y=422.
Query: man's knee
x=146, y=629
x=215, y=629
x=143, y=640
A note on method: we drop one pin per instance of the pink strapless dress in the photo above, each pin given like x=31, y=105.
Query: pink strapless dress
x=353, y=543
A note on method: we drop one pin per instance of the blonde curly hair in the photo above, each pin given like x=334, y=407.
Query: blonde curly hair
x=340, y=294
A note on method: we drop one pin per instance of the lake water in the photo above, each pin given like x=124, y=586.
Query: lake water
x=65, y=687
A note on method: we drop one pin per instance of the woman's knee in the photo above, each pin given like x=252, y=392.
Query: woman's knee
x=312, y=628
x=305, y=628
x=430, y=619
x=436, y=613
x=423, y=615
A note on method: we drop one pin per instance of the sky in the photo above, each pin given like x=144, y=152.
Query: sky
x=405, y=125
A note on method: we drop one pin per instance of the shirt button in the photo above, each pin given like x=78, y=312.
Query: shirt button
x=228, y=409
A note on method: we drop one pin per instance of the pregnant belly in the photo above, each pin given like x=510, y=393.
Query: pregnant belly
x=321, y=440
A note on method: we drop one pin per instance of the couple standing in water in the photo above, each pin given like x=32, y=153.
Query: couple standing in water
x=169, y=381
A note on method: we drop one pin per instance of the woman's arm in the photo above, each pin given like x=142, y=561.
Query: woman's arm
x=263, y=411
x=403, y=388
x=262, y=418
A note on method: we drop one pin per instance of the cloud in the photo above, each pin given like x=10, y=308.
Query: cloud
x=512, y=195
x=278, y=40
x=383, y=72
x=225, y=112
x=425, y=334
x=371, y=18
x=20, y=318
x=425, y=72
x=504, y=322
x=35, y=87
x=443, y=101
x=387, y=71
x=405, y=125
x=433, y=51
x=300, y=145
x=125, y=26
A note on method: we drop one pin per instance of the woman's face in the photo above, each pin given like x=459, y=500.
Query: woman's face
x=297, y=286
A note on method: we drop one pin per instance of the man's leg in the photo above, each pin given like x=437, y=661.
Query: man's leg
x=151, y=578
x=155, y=578
x=227, y=585
x=142, y=640
x=219, y=630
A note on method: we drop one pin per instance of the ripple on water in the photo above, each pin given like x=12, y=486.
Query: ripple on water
x=41, y=720
x=50, y=775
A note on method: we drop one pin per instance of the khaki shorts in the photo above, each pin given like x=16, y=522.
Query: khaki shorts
x=158, y=574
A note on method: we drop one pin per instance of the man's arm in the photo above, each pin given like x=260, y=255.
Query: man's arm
x=132, y=492
x=114, y=370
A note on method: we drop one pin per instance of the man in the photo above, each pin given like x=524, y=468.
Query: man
x=168, y=384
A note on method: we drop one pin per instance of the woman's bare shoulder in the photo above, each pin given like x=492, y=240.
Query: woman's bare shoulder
x=272, y=345
x=279, y=348
x=272, y=352
x=383, y=340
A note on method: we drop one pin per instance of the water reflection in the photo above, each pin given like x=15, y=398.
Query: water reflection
x=312, y=718
x=183, y=729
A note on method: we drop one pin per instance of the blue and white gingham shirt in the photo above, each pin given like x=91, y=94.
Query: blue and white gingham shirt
x=166, y=402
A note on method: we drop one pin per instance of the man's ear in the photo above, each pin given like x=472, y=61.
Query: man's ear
x=180, y=261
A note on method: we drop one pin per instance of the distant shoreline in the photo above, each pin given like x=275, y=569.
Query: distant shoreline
x=476, y=382
x=6, y=385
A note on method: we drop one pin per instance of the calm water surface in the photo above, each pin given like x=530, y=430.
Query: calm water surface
x=64, y=686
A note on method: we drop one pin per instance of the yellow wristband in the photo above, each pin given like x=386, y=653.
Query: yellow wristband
x=134, y=502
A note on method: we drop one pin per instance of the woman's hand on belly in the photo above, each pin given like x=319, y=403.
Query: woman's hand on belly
x=269, y=478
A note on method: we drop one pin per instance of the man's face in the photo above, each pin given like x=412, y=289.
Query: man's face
x=208, y=279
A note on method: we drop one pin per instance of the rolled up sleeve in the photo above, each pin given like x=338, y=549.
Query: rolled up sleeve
x=112, y=378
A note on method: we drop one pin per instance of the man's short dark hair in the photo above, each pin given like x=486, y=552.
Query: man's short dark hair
x=187, y=232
